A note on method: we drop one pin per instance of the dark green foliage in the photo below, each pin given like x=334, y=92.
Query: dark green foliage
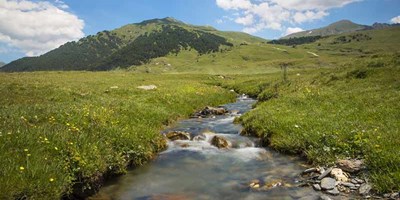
x=355, y=37
x=171, y=39
x=70, y=56
x=295, y=41
x=107, y=50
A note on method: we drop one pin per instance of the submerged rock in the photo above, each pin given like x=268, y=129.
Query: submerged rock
x=213, y=111
x=219, y=142
x=351, y=166
x=178, y=135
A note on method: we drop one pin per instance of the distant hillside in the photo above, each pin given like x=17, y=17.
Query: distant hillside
x=132, y=44
x=2, y=64
x=343, y=26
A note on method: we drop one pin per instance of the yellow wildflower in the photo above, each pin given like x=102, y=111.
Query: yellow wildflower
x=22, y=168
x=51, y=179
x=25, y=150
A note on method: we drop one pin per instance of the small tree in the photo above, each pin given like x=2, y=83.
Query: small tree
x=284, y=67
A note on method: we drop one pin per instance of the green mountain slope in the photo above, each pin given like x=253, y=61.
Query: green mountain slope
x=133, y=44
x=343, y=26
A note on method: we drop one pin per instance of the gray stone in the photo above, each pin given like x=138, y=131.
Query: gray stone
x=359, y=180
x=317, y=187
x=328, y=183
x=364, y=189
x=307, y=171
x=334, y=191
x=324, y=197
x=354, y=181
x=395, y=195
x=347, y=184
x=325, y=173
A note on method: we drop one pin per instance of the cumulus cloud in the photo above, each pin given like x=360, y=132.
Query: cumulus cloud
x=37, y=27
x=395, y=20
x=291, y=30
x=246, y=20
x=258, y=15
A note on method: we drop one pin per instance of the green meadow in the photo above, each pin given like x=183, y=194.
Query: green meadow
x=60, y=129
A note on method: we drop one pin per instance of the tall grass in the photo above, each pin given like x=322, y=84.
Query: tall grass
x=326, y=114
x=59, y=130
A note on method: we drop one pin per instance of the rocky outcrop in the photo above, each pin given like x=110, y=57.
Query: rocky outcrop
x=178, y=135
x=210, y=111
x=220, y=142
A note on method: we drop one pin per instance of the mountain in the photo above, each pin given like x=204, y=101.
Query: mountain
x=343, y=26
x=383, y=25
x=132, y=44
x=2, y=64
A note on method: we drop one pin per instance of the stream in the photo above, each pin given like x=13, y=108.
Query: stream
x=199, y=170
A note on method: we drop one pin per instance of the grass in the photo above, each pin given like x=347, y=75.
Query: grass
x=60, y=129
x=326, y=114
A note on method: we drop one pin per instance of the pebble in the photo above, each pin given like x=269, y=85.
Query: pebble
x=324, y=197
x=328, y=183
x=307, y=171
x=325, y=173
x=347, y=184
x=317, y=187
x=334, y=191
x=364, y=189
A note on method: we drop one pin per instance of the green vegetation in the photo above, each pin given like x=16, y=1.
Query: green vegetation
x=170, y=39
x=75, y=128
x=326, y=114
x=296, y=41
x=59, y=129
x=133, y=44
x=343, y=26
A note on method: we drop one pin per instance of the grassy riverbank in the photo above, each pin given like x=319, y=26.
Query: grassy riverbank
x=325, y=114
x=71, y=128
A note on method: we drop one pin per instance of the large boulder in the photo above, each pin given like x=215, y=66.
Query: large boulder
x=213, y=111
x=220, y=142
x=178, y=135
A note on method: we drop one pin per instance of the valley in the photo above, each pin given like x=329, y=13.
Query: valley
x=93, y=109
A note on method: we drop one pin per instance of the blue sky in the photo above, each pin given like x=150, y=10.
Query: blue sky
x=265, y=18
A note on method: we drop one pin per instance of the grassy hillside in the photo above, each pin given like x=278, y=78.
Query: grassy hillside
x=326, y=114
x=133, y=44
x=343, y=26
x=58, y=130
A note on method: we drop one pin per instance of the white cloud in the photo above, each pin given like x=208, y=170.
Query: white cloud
x=258, y=15
x=234, y=4
x=307, y=16
x=37, y=27
x=304, y=5
x=291, y=30
x=246, y=20
x=395, y=20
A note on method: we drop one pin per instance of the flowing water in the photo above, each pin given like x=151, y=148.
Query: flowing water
x=198, y=170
